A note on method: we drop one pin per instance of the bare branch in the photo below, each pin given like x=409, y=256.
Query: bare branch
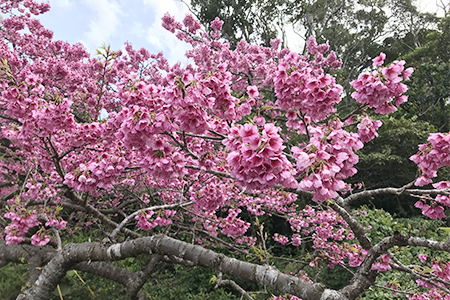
x=395, y=191
x=356, y=227
x=217, y=173
x=233, y=284
x=127, y=219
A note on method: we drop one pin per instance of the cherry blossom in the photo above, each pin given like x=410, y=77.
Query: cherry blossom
x=199, y=150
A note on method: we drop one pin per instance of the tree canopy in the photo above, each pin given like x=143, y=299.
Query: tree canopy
x=192, y=166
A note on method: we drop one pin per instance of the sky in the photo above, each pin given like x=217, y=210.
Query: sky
x=112, y=22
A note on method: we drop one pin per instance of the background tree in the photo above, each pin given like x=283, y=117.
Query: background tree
x=429, y=91
x=256, y=21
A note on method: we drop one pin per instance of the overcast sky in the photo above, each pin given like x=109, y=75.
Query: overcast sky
x=112, y=22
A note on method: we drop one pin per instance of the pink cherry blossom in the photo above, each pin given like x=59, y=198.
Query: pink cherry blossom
x=379, y=60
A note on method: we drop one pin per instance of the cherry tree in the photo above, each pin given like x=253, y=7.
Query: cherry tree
x=174, y=161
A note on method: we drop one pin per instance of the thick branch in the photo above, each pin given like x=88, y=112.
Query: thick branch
x=35, y=257
x=72, y=254
x=365, y=277
x=132, y=281
x=397, y=191
x=356, y=227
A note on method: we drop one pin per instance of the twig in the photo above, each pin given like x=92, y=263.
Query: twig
x=217, y=173
x=127, y=219
x=399, y=266
x=205, y=137
x=396, y=191
x=233, y=284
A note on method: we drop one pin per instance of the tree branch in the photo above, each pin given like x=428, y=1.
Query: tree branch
x=233, y=284
x=356, y=227
x=127, y=219
x=397, y=191
x=72, y=254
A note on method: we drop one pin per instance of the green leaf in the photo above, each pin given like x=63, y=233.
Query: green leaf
x=213, y=279
x=447, y=229
x=22, y=258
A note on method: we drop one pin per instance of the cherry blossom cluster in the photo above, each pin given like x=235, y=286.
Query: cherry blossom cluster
x=283, y=240
x=215, y=94
x=442, y=199
x=212, y=195
x=327, y=231
x=101, y=171
x=298, y=86
x=367, y=129
x=439, y=269
x=233, y=226
x=433, y=211
x=165, y=164
x=139, y=127
x=35, y=8
x=16, y=102
x=21, y=221
x=382, y=264
x=380, y=88
x=275, y=200
x=162, y=219
x=432, y=156
x=327, y=160
x=49, y=118
x=435, y=295
x=256, y=159
x=40, y=238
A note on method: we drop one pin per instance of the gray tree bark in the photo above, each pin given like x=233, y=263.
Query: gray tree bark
x=160, y=246
x=72, y=254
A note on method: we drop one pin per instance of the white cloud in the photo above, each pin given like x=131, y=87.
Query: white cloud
x=175, y=7
x=432, y=6
x=61, y=3
x=137, y=29
x=160, y=38
x=104, y=23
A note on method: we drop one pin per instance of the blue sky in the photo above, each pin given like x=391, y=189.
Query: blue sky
x=112, y=22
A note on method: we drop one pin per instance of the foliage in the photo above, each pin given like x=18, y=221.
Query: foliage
x=12, y=278
x=397, y=141
x=429, y=91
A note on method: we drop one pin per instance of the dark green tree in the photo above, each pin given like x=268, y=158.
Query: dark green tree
x=429, y=91
x=252, y=20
